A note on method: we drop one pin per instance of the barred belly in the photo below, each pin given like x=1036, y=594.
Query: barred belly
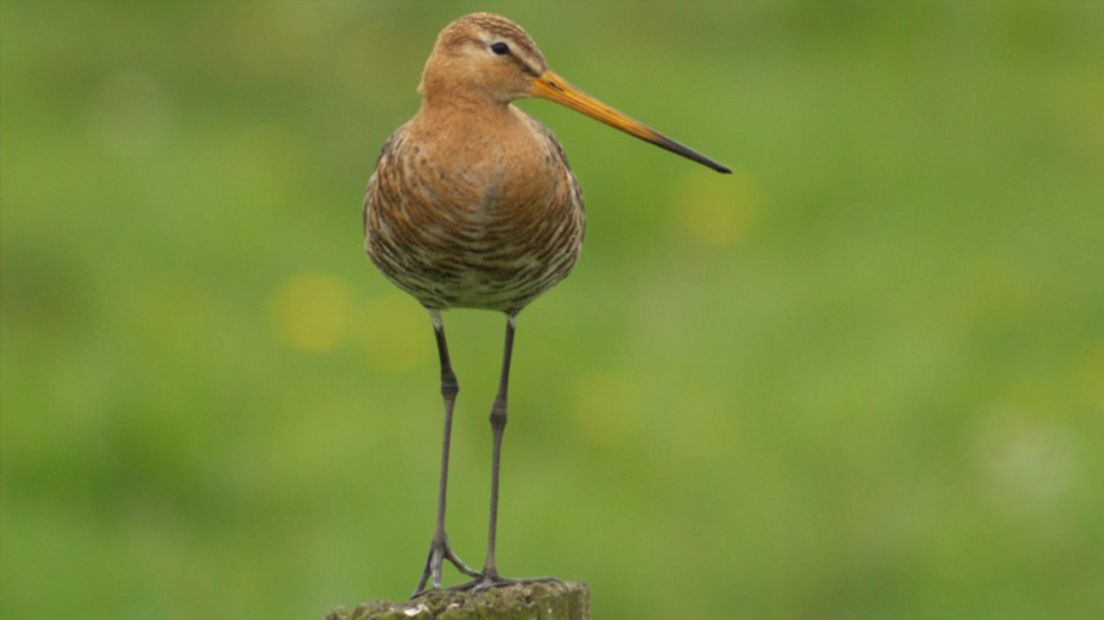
x=454, y=240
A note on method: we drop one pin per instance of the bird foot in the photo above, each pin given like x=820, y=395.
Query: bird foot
x=489, y=580
x=439, y=551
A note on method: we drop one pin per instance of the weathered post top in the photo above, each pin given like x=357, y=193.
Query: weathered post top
x=553, y=600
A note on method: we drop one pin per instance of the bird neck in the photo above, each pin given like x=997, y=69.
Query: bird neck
x=467, y=117
x=472, y=104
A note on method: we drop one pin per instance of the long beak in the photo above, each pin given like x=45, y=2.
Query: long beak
x=554, y=88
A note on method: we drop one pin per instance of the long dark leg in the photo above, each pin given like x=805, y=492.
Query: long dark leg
x=498, y=425
x=439, y=549
x=489, y=577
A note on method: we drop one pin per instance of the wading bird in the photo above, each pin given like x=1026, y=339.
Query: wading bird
x=473, y=205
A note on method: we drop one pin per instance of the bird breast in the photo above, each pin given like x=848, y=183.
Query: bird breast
x=460, y=214
x=500, y=172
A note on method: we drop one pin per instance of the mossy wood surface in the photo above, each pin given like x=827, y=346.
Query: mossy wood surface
x=537, y=601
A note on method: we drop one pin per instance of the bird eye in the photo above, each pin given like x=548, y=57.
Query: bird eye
x=500, y=48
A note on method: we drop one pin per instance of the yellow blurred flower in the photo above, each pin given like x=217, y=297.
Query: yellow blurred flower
x=715, y=209
x=311, y=311
x=398, y=334
x=604, y=410
x=1092, y=373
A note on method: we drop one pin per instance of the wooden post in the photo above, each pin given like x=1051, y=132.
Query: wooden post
x=551, y=600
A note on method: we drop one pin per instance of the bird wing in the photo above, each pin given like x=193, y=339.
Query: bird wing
x=371, y=194
x=557, y=148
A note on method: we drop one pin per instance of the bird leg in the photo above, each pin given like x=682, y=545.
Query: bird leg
x=439, y=549
x=498, y=425
x=489, y=577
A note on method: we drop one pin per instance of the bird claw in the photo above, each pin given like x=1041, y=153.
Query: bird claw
x=439, y=551
x=494, y=580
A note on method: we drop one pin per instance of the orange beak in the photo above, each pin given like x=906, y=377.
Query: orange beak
x=554, y=88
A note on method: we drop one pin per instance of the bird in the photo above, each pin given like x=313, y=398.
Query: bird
x=472, y=204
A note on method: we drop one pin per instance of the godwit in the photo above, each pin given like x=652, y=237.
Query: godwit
x=473, y=205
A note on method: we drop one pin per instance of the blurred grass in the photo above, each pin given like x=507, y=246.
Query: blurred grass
x=863, y=377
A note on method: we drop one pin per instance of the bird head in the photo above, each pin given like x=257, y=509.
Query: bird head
x=482, y=56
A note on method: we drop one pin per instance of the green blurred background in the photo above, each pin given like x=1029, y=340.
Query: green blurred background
x=863, y=377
